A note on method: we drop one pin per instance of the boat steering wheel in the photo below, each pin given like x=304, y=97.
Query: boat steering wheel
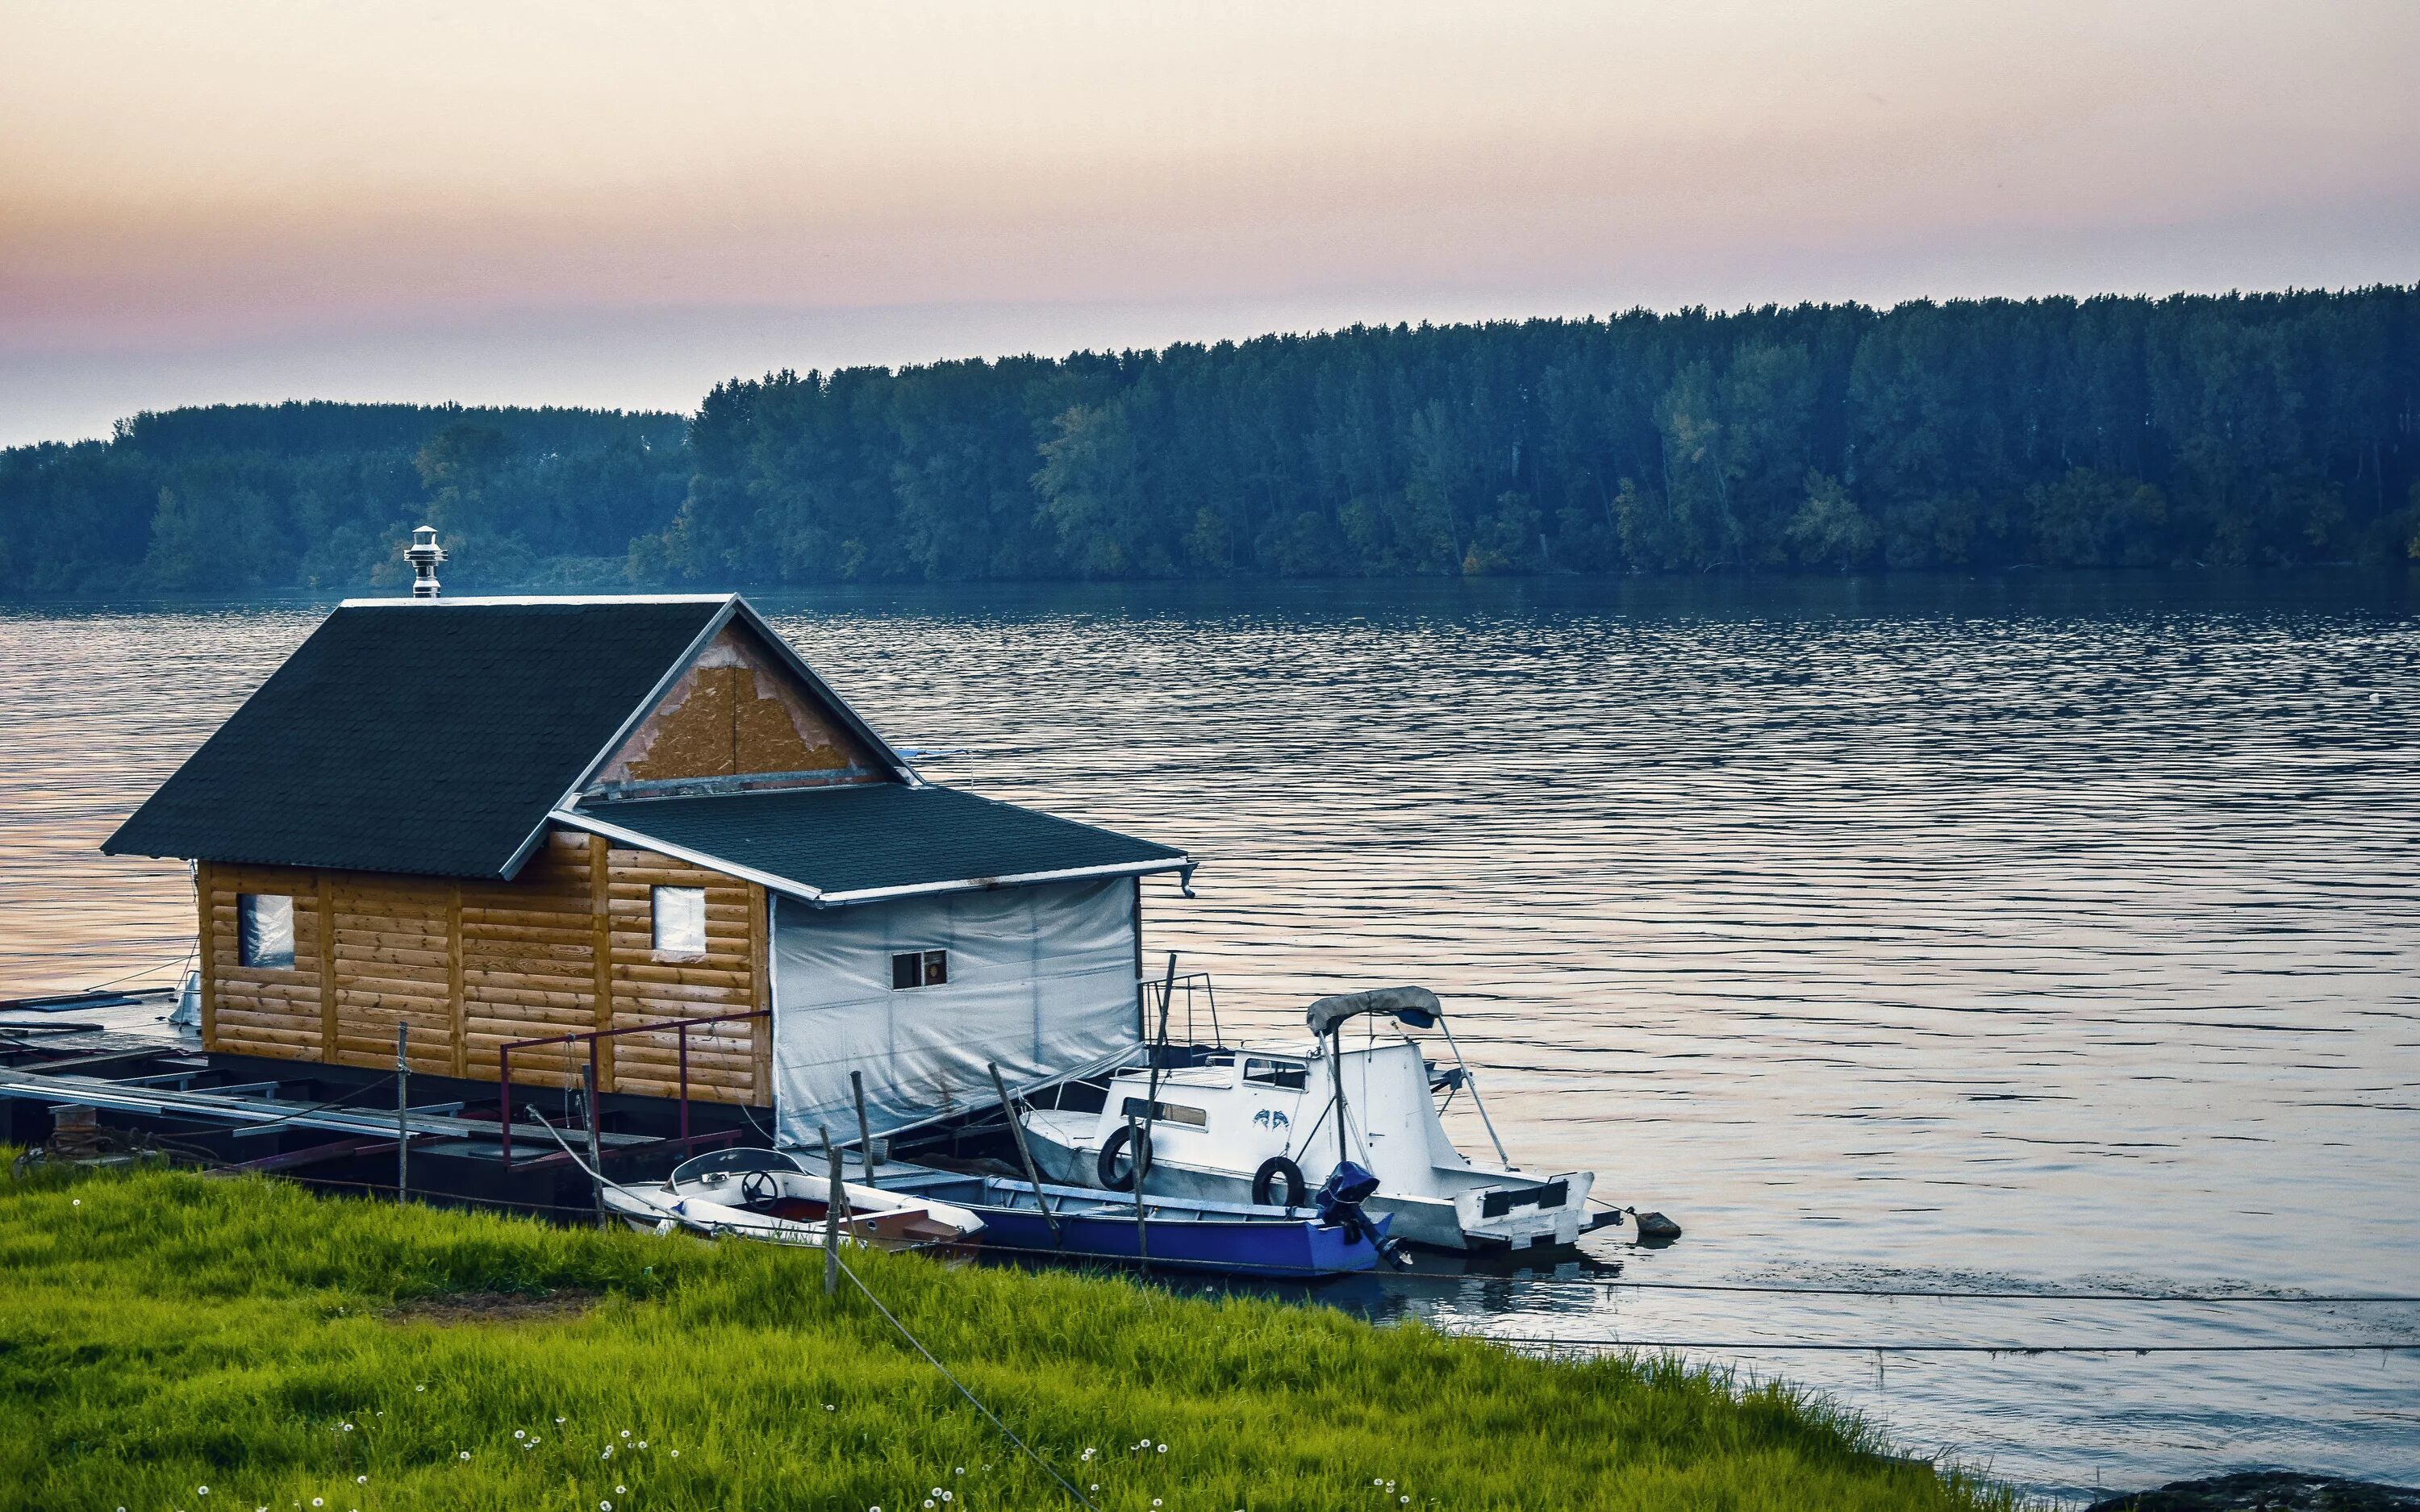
x=758, y=1186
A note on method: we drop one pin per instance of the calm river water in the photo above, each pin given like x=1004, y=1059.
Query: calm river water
x=2010, y=934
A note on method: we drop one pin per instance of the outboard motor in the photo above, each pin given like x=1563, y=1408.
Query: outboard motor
x=1339, y=1203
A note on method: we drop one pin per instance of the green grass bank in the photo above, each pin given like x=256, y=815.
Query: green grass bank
x=164, y=1332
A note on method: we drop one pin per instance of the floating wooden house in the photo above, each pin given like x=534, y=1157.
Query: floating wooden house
x=493, y=821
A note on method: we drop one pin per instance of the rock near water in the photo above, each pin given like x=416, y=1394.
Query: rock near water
x=2266, y=1491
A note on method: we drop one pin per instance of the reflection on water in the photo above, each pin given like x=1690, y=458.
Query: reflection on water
x=2025, y=934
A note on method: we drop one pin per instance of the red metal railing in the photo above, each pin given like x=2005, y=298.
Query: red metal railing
x=505, y=1065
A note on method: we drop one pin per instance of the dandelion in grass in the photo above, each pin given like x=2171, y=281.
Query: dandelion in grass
x=621, y=1491
x=315, y=1501
x=346, y=1427
x=360, y=1480
x=466, y=1454
x=643, y=1443
x=1163, y=1448
x=201, y=1490
x=626, y=1433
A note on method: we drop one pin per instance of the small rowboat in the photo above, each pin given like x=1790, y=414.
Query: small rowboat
x=765, y=1194
x=1176, y=1233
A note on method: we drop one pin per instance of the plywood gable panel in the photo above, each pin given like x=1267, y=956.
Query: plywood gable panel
x=736, y=713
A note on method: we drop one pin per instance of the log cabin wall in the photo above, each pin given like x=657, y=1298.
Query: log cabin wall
x=529, y=964
x=471, y=965
x=649, y=987
x=261, y=1010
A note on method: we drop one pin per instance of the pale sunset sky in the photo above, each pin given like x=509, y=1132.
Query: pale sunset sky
x=620, y=204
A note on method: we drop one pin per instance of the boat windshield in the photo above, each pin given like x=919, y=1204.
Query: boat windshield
x=729, y=1162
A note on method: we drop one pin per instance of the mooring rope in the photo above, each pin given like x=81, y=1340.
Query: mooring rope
x=180, y=962
x=1752, y=1347
x=904, y=1333
x=930, y=1358
x=1615, y=1284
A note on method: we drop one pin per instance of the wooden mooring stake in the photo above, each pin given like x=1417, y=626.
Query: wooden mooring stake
x=595, y=1146
x=864, y=1136
x=833, y=1200
x=1136, y=1134
x=402, y=1112
x=1025, y=1155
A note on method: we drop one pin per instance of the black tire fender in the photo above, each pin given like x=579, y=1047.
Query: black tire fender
x=1107, y=1166
x=1265, y=1180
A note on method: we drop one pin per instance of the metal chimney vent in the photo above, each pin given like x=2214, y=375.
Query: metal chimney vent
x=423, y=554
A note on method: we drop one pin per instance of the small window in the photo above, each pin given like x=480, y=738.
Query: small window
x=680, y=921
x=1283, y=1073
x=919, y=968
x=266, y=921
x=1136, y=1107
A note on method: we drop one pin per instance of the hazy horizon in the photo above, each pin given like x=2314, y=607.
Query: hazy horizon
x=621, y=205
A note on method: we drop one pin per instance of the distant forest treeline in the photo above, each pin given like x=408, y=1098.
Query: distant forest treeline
x=2261, y=429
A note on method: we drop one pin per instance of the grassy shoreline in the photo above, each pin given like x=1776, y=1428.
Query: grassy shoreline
x=162, y=1331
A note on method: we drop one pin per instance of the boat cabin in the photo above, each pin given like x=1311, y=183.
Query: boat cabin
x=492, y=821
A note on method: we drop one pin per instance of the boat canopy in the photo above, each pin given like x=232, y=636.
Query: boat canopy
x=1415, y=1006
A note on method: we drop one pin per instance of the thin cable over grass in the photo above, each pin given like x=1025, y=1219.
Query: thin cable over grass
x=887, y=1317
x=1008, y=1433
x=1752, y=1346
x=1617, y=1284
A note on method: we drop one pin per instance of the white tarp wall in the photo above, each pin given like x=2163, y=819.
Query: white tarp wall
x=1042, y=979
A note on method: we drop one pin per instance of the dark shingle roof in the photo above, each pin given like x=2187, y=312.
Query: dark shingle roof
x=876, y=837
x=427, y=737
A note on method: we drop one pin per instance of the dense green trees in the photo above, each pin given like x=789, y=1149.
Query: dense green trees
x=238, y=499
x=2260, y=429
x=2263, y=429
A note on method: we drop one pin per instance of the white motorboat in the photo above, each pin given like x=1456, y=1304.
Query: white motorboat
x=765, y=1194
x=1267, y=1123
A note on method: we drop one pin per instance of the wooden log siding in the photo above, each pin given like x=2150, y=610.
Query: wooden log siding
x=471, y=965
x=261, y=1011
x=649, y=988
x=529, y=965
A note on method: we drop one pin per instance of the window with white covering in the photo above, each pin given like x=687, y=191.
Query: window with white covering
x=680, y=921
x=265, y=929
